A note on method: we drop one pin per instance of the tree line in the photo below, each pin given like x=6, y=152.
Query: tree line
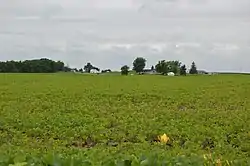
x=42, y=65
x=163, y=67
x=49, y=66
x=33, y=66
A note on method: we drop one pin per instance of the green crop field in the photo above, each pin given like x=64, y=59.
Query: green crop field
x=103, y=117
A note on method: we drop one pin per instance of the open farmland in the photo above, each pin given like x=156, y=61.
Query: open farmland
x=120, y=115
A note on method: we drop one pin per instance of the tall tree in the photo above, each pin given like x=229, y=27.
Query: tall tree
x=152, y=68
x=124, y=70
x=183, y=70
x=193, y=69
x=88, y=67
x=139, y=64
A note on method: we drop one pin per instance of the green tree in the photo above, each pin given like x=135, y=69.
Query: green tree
x=58, y=66
x=81, y=70
x=174, y=66
x=32, y=66
x=193, y=69
x=139, y=64
x=161, y=67
x=124, y=70
x=183, y=70
x=164, y=67
x=88, y=67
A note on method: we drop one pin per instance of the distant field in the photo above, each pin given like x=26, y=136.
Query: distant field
x=44, y=113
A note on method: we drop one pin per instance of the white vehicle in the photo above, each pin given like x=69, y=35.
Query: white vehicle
x=171, y=74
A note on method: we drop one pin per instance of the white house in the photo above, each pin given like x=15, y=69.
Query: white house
x=94, y=71
x=202, y=72
x=73, y=70
x=149, y=71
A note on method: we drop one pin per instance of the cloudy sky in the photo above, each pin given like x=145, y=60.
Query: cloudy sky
x=110, y=33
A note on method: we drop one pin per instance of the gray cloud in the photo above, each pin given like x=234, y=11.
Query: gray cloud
x=196, y=7
x=213, y=33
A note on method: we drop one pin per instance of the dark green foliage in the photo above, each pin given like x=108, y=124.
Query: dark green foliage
x=174, y=66
x=124, y=70
x=67, y=69
x=81, y=70
x=32, y=66
x=193, y=69
x=152, y=68
x=183, y=70
x=164, y=67
x=161, y=67
x=88, y=67
x=152, y=160
x=139, y=64
x=106, y=71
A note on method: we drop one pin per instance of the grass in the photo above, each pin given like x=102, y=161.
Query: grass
x=112, y=116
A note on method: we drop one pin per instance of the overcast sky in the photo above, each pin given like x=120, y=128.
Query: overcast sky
x=111, y=33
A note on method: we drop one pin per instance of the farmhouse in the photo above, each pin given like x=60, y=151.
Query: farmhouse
x=202, y=72
x=73, y=70
x=94, y=71
x=106, y=71
x=149, y=71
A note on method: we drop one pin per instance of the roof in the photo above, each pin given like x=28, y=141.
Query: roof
x=202, y=71
x=148, y=70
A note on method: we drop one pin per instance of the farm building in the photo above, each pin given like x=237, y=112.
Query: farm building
x=94, y=71
x=149, y=71
x=202, y=72
x=74, y=70
x=106, y=71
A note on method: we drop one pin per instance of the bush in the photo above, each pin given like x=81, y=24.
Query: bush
x=56, y=160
